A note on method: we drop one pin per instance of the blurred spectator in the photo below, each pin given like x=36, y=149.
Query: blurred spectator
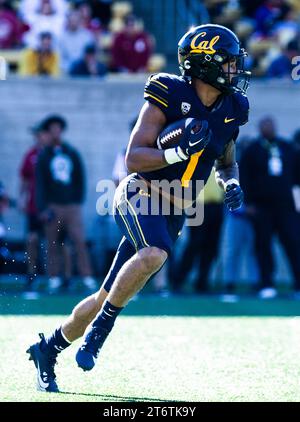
x=268, y=14
x=238, y=250
x=89, y=65
x=268, y=176
x=286, y=29
x=296, y=140
x=85, y=10
x=101, y=10
x=73, y=40
x=282, y=66
x=30, y=8
x=203, y=241
x=60, y=194
x=28, y=202
x=238, y=241
x=96, y=13
x=249, y=7
x=131, y=48
x=4, y=203
x=43, y=16
x=274, y=25
x=40, y=61
x=265, y=27
x=11, y=27
x=223, y=12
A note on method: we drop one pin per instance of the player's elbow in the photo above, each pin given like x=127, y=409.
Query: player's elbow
x=131, y=162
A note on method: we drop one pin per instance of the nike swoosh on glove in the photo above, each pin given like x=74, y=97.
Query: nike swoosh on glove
x=234, y=197
x=196, y=136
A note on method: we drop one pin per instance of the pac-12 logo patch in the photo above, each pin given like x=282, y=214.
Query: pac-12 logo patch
x=185, y=108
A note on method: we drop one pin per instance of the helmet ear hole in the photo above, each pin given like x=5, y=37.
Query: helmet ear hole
x=187, y=64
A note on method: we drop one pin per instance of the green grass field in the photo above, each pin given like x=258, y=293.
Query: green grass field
x=202, y=350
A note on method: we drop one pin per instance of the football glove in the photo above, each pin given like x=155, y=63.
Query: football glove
x=196, y=137
x=234, y=197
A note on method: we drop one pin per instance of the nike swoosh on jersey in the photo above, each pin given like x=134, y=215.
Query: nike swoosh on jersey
x=226, y=120
x=40, y=380
x=191, y=144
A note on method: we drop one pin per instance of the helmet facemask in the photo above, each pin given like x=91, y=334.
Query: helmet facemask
x=238, y=80
x=210, y=69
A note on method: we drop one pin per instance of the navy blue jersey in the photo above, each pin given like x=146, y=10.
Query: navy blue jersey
x=177, y=99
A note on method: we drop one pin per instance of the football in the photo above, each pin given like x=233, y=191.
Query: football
x=171, y=136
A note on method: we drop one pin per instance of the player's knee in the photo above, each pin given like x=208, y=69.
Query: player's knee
x=152, y=258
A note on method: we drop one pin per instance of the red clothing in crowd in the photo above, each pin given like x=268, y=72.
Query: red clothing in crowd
x=28, y=174
x=11, y=29
x=131, y=52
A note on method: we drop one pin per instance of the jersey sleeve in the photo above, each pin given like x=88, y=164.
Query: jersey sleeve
x=158, y=91
x=242, y=108
x=235, y=135
x=245, y=115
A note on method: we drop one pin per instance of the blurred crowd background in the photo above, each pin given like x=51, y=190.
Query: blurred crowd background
x=93, y=37
x=60, y=136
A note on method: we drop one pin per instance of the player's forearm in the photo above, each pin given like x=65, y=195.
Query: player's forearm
x=145, y=159
x=225, y=174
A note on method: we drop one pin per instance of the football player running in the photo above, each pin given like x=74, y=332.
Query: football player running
x=212, y=89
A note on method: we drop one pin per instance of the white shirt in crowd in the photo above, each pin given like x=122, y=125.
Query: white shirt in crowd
x=30, y=11
x=72, y=45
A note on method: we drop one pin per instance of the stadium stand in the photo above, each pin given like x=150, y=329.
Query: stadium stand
x=266, y=27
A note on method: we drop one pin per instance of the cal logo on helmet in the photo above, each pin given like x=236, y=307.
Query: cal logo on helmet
x=204, y=46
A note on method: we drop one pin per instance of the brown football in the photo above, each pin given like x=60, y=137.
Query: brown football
x=170, y=137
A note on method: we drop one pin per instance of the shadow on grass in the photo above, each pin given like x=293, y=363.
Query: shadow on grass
x=111, y=397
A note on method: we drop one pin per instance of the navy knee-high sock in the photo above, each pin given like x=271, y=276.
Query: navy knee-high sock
x=55, y=343
x=105, y=320
x=107, y=316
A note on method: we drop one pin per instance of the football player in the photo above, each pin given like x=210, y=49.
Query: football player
x=212, y=89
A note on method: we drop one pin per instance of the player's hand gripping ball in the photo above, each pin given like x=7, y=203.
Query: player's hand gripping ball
x=189, y=135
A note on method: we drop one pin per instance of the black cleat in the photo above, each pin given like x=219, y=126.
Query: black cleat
x=44, y=364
